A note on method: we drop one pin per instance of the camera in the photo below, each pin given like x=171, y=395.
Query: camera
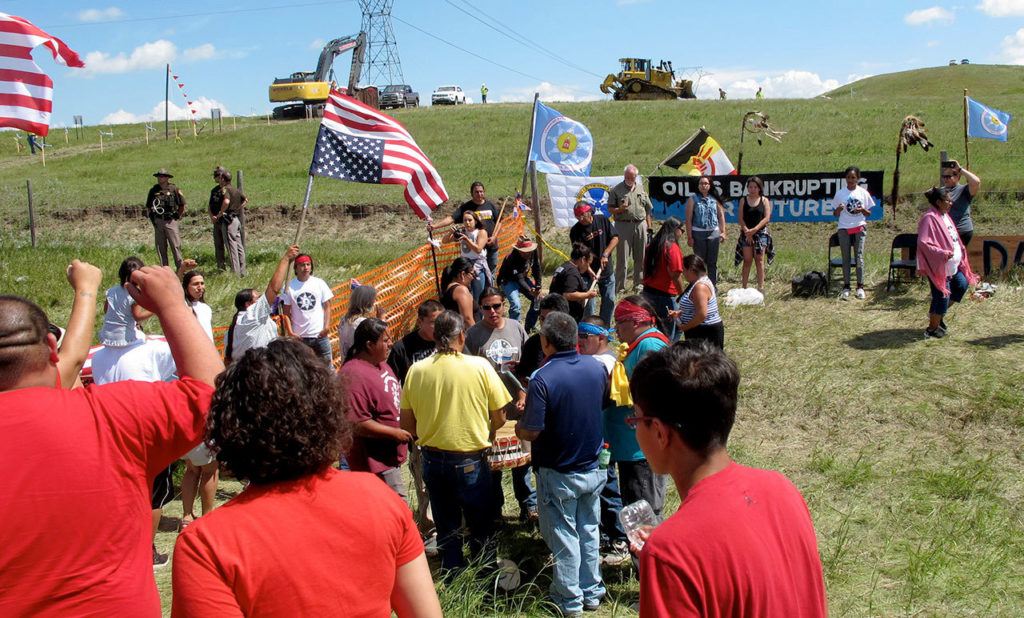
x=459, y=232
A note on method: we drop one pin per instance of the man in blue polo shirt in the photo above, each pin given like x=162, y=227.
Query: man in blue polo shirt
x=563, y=420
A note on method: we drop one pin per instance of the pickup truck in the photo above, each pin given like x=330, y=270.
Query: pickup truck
x=399, y=95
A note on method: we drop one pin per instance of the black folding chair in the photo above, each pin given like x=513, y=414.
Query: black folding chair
x=833, y=262
x=905, y=261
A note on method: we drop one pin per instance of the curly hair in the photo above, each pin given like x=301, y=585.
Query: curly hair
x=278, y=414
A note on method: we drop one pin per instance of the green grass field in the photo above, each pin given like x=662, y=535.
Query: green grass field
x=909, y=452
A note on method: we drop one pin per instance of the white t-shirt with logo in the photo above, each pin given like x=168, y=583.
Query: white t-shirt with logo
x=305, y=300
x=953, y=263
x=858, y=198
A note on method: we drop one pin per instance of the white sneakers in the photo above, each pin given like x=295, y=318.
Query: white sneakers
x=860, y=294
x=845, y=294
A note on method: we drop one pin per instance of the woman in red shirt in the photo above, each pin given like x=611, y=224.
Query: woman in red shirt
x=663, y=270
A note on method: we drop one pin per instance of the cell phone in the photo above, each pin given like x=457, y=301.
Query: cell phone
x=948, y=164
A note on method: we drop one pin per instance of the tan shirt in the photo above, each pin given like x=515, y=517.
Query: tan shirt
x=639, y=202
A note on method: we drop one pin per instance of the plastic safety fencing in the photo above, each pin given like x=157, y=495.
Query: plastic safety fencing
x=402, y=284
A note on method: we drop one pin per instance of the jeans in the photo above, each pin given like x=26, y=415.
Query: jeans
x=957, y=288
x=606, y=290
x=521, y=487
x=515, y=306
x=477, y=285
x=857, y=242
x=611, y=504
x=322, y=346
x=663, y=303
x=569, y=522
x=707, y=249
x=460, y=487
x=492, y=258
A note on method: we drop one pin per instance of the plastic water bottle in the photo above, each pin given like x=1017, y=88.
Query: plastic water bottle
x=638, y=520
x=604, y=457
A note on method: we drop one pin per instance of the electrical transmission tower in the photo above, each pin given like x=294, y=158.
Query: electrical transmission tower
x=382, y=66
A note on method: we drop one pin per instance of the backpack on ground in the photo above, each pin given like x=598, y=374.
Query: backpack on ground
x=810, y=284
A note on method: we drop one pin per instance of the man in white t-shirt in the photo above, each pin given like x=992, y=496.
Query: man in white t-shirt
x=307, y=308
x=852, y=204
x=253, y=326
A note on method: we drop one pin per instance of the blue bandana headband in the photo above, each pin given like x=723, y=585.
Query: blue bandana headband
x=592, y=329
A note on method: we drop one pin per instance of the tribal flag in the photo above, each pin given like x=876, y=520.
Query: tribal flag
x=519, y=208
x=359, y=144
x=986, y=122
x=26, y=93
x=700, y=155
x=560, y=144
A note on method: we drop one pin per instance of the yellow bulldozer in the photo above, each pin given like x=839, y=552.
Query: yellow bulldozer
x=640, y=80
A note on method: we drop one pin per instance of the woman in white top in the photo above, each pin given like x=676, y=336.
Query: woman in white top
x=473, y=240
x=120, y=313
x=852, y=204
x=362, y=304
x=194, y=286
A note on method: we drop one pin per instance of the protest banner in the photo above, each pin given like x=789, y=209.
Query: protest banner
x=995, y=255
x=565, y=191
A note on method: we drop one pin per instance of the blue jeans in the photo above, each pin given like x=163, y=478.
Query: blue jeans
x=957, y=288
x=606, y=290
x=569, y=522
x=460, y=487
x=515, y=305
x=663, y=303
x=707, y=249
x=477, y=286
x=521, y=487
x=611, y=505
x=322, y=346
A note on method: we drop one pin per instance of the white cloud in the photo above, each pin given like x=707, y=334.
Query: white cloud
x=550, y=92
x=145, y=56
x=202, y=106
x=206, y=51
x=1002, y=8
x=742, y=84
x=108, y=14
x=317, y=44
x=1013, y=48
x=934, y=43
x=931, y=15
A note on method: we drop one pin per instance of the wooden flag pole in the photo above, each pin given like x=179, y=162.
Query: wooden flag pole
x=967, y=148
x=42, y=151
x=305, y=205
x=743, y=129
x=433, y=256
x=167, y=104
x=501, y=211
x=529, y=143
x=536, y=211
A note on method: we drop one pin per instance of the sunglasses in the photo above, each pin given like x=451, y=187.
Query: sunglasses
x=633, y=420
x=583, y=336
x=491, y=307
x=944, y=176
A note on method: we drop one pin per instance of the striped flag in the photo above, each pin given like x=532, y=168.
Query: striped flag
x=26, y=93
x=359, y=144
x=700, y=156
x=519, y=207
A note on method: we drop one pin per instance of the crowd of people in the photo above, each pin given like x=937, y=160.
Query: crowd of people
x=611, y=405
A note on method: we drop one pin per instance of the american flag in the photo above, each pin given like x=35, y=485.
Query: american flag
x=26, y=93
x=359, y=144
x=519, y=207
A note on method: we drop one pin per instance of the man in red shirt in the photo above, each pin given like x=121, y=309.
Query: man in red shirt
x=742, y=542
x=78, y=465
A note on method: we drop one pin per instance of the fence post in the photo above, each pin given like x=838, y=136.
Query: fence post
x=31, y=214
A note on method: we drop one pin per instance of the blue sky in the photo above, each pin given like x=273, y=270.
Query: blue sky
x=228, y=58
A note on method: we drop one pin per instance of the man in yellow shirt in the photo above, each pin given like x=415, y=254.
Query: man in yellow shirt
x=453, y=403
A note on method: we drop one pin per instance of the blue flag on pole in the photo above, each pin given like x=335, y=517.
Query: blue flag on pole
x=560, y=145
x=986, y=122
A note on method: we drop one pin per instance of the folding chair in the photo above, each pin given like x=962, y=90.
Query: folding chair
x=833, y=262
x=906, y=244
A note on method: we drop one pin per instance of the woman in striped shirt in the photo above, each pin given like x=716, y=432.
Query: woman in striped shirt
x=698, y=316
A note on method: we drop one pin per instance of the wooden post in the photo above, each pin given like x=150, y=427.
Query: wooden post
x=101, y=141
x=268, y=119
x=536, y=212
x=233, y=127
x=167, y=105
x=529, y=144
x=967, y=148
x=743, y=130
x=241, y=216
x=42, y=151
x=145, y=132
x=31, y=214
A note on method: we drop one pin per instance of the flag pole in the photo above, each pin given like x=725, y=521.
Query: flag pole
x=529, y=143
x=167, y=104
x=433, y=256
x=43, y=151
x=743, y=126
x=305, y=204
x=501, y=211
x=536, y=212
x=967, y=151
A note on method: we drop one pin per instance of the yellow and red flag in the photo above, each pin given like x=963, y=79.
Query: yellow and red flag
x=700, y=156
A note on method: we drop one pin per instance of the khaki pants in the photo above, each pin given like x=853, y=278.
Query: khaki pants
x=166, y=232
x=632, y=238
x=227, y=237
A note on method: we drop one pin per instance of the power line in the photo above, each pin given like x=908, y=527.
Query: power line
x=203, y=14
x=463, y=49
x=521, y=40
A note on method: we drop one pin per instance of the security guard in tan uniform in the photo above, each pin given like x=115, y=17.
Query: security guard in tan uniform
x=165, y=205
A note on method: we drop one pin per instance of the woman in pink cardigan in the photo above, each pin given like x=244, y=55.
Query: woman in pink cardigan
x=942, y=257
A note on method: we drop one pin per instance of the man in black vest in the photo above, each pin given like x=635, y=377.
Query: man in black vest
x=165, y=205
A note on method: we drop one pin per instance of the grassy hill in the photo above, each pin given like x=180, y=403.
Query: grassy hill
x=857, y=125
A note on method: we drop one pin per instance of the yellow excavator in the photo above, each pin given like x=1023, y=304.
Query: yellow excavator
x=312, y=87
x=640, y=80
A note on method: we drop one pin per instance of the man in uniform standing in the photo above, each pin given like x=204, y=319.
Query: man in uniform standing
x=485, y=209
x=226, y=206
x=629, y=204
x=165, y=205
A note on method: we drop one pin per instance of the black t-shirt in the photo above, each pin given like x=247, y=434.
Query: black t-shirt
x=567, y=278
x=487, y=212
x=597, y=235
x=530, y=359
x=407, y=351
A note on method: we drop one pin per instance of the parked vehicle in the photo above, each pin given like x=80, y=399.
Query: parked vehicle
x=399, y=95
x=448, y=95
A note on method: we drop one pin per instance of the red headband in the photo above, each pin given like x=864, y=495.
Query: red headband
x=626, y=311
x=303, y=259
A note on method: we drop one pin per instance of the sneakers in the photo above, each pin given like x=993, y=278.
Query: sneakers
x=617, y=553
x=430, y=545
x=943, y=327
x=529, y=516
x=938, y=333
x=591, y=606
x=845, y=294
x=159, y=560
x=860, y=294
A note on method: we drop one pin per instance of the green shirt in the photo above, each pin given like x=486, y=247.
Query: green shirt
x=639, y=202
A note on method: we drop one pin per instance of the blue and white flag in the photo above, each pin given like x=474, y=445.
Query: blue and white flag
x=986, y=122
x=560, y=145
